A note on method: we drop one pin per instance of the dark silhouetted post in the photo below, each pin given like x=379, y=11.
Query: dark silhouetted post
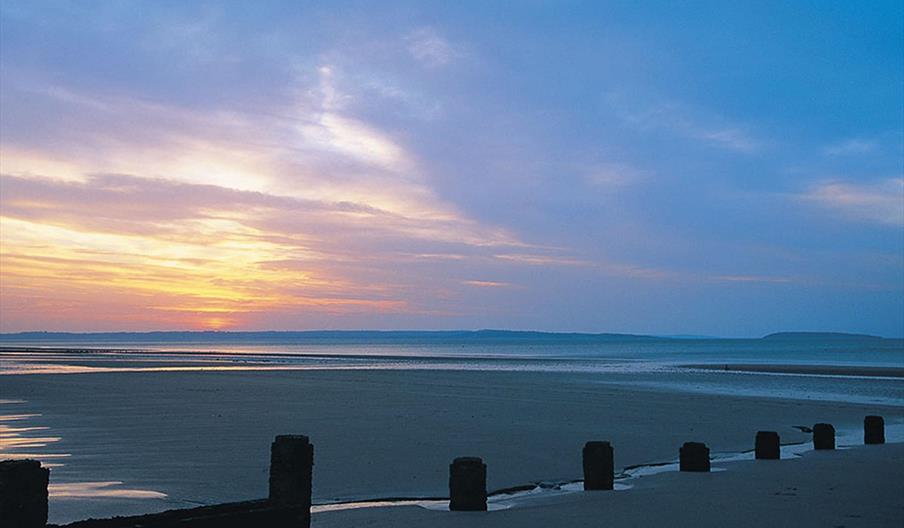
x=823, y=436
x=693, y=456
x=767, y=446
x=291, y=469
x=23, y=494
x=599, y=466
x=467, y=484
x=873, y=430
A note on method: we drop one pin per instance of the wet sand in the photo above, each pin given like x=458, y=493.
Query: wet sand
x=203, y=437
x=821, y=370
x=858, y=487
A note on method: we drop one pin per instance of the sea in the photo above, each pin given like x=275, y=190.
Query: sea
x=872, y=367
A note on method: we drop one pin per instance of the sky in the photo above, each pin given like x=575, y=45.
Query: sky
x=716, y=168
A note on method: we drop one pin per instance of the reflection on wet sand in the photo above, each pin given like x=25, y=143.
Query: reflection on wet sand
x=99, y=490
x=16, y=417
x=80, y=369
x=13, y=439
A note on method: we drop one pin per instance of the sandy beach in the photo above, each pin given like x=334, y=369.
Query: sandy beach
x=854, y=487
x=203, y=437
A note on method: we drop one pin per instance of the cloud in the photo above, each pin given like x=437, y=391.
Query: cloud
x=614, y=175
x=429, y=48
x=852, y=147
x=182, y=212
x=194, y=40
x=206, y=256
x=880, y=202
x=216, y=217
x=208, y=218
x=541, y=260
x=753, y=279
x=310, y=148
x=486, y=284
x=731, y=138
x=350, y=158
x=682, y=121
x=344, y=136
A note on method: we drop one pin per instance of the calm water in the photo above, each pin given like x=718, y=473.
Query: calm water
x=563, y=352
x=852, y=349
x=655, y=364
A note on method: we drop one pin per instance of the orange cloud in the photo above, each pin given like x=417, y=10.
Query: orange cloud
x=146, y=253
x=178, y=218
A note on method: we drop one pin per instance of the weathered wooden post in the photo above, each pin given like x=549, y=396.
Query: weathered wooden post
x=599, y=466
x=873, y=430
x=467, y=484
x=823, y=436
x=23, y=494
x=291, y=471
x=693, y=456
x=767, y=446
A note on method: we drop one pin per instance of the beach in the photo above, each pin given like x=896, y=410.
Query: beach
x=857, y=487
x=175, y=439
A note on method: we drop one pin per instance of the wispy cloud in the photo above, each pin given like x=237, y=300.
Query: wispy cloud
x=214, y=254
x=732, y=138
x=297, y=209
x=486, y=284
x=429, y=48
x=683, y=121
x=753, y=279
x=852, y=147
x=541, y=260
x=614, y=175
x=878, y=202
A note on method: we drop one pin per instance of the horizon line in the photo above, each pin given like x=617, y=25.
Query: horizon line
x=88, y=333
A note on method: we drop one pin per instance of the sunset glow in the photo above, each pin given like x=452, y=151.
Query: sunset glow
x=194, y=168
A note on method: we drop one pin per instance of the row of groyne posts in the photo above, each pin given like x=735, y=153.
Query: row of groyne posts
x=24, y=483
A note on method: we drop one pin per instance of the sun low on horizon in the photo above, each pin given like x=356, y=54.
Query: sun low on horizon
x=576, y=166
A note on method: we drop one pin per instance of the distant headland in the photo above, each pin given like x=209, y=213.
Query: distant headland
x=830, y=336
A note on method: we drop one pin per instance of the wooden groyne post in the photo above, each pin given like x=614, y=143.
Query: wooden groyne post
x=291, y=471
x=823, y=436
x=467, y=484
x=288, y=505
x=23, y=494
x=599, y=466
x=767, y=446
x=693, y=456
x=873, y=430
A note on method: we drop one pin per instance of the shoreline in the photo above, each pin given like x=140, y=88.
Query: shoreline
x=625, y=479
x=853, y=486
x=815, y=370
